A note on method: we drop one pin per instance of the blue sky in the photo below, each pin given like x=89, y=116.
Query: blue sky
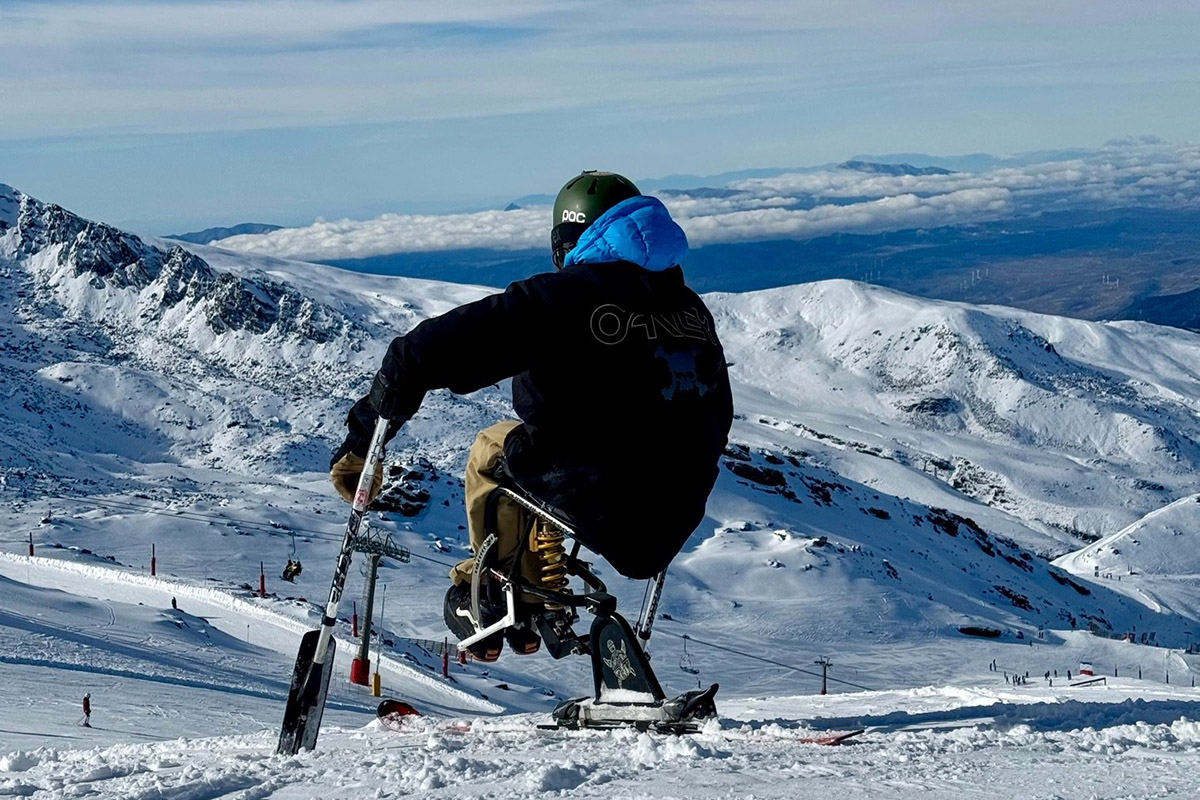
x=176, y=114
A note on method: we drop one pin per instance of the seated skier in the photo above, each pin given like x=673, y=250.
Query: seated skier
x=619, y=382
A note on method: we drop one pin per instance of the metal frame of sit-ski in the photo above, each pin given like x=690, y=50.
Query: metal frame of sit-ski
x=556, y=627
x=598, y=600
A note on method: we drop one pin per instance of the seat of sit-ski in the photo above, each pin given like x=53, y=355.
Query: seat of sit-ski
x=507, y=486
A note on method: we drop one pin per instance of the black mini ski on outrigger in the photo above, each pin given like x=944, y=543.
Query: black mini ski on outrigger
x=314, y=662
x=626, y=691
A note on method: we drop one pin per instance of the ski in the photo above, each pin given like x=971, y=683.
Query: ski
x=401, y=717
x=314, y=661
x=685, y=713
x=832, y=739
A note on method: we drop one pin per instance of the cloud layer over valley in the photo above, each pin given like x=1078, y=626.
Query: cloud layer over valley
x=802, y=204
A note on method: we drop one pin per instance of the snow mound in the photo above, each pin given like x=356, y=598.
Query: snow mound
x=1165, y=542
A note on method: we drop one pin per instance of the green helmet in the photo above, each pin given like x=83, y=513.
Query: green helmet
x=580, y=203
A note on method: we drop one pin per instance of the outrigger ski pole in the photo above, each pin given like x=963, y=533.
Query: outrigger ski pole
x=314, y=662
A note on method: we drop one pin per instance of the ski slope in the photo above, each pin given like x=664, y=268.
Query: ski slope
x=91, y=623
x=184, y=707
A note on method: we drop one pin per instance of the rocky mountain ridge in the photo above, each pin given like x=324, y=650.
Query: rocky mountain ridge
x=65, y=246
x=210, y=235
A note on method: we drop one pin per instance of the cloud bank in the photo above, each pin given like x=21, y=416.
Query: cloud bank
x=521, y=229
x=802, y=205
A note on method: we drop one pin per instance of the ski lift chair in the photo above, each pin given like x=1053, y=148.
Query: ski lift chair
x=291, y=570
x=626, y=690
x=685, y=660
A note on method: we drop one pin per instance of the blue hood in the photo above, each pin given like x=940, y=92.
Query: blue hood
x=639, y=230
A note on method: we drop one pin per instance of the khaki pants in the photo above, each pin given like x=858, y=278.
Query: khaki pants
x=512, y=521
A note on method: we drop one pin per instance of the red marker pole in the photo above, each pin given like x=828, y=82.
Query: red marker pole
x=445, y=658
x=153, y=561
x=31, y=544
x=262, y=580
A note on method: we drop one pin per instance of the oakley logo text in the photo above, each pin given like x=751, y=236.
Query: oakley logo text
x=611, y=324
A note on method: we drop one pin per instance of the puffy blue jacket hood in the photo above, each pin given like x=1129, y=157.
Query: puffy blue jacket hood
x=638, y=230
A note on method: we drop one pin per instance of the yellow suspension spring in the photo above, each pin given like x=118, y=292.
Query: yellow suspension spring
x=547, y=542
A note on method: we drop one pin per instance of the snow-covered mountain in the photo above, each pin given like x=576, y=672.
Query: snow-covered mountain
x=165, y=356
x=900, y=473
x=1154, y=560
x=1075, y=428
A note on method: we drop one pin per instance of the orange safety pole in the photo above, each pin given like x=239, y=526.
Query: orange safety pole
x=153, y=561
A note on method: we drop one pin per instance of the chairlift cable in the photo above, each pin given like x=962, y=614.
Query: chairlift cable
x=751, y=657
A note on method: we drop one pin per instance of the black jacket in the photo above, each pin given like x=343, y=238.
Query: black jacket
x=622, y=387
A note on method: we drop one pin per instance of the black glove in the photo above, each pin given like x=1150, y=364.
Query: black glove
x=385, y=398
x=360, y=425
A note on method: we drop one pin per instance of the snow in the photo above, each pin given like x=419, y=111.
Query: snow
x=609, y=695
x=1068, y=755
x=901, y=469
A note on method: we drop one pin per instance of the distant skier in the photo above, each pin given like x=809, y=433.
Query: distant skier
x=619, y=381
x=174, y=605
x=87, y=710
